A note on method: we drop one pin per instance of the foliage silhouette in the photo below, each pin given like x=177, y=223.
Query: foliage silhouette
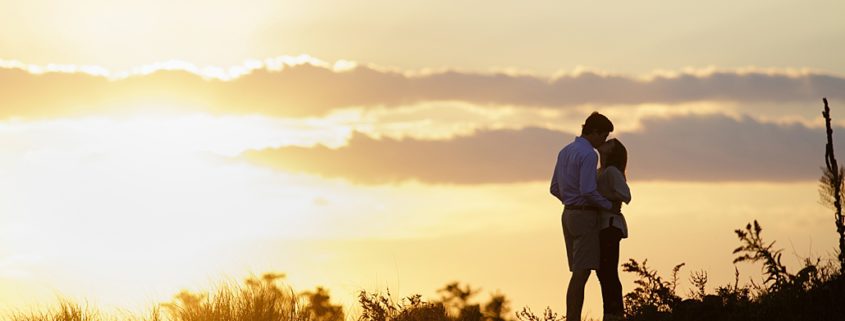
x=66, y=311
x=813, y=293
x=454, y=305
x=320, y=308
x=699, y=281
x=259, y=299
x=831, y=189
x=653, y=297
x=378, y=307
x=548, y=315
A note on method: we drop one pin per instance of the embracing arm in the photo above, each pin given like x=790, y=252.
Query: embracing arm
x=555, y=189
x=588, y=185
x=621, y=191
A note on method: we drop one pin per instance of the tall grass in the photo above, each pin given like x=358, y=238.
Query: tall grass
x=65, y=311
x=257, y=299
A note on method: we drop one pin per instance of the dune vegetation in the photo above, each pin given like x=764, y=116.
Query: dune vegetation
x=815, y=292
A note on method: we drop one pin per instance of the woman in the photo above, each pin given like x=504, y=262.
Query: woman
x=612, y=185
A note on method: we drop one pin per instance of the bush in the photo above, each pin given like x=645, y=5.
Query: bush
x=377, y=307
x=454, y=305
x=814, y=293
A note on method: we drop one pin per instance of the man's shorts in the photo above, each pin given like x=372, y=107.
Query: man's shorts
x=581, y=234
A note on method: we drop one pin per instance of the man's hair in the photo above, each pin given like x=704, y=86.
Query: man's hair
x=596, y=123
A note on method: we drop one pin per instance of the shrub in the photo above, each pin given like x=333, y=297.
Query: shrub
x=653, y=298
x=319, y=306
x=377, y=307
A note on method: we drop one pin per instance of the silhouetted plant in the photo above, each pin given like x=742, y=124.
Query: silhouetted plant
x=377, y=307
x=699, y=282
x=66, y=311
x=454, y=305
x=755, y=250
x=810, y=294
x=814, y=293
x=497, y=308
x=734, y=296
x=319, y=306
x=728, y=303
x=456, y=299
x=653, y=298
x=259, y=299
x=778, y=278
x=827, y=189
x=548, y=315
x=830, y=189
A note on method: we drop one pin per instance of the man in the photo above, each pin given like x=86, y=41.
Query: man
x=574, y=184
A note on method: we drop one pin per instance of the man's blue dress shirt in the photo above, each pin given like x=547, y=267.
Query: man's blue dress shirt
x=574, y=178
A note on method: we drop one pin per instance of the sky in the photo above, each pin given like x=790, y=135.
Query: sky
x=371, y=145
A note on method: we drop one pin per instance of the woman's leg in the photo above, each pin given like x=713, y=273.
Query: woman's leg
x=611, y=288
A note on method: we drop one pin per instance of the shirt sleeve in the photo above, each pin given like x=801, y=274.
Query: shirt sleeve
x=554, y=188
x=588, y=183
x=620, y=186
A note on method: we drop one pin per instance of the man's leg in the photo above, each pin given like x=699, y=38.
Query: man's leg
x=575, y=294
x=611, y=288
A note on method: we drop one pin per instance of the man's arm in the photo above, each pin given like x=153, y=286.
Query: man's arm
x=588, y=183
x=554, y=188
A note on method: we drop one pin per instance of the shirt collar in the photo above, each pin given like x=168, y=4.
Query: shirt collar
x=583, y=141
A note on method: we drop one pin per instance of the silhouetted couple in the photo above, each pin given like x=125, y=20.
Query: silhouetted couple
x=592, y=219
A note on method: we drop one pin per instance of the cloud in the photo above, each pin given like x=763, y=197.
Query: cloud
x=487, y=157
x=687, y=148
x=720, y=148
x=314, y=90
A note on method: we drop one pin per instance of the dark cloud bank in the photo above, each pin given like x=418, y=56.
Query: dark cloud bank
x=691, y=148
x=307, y=90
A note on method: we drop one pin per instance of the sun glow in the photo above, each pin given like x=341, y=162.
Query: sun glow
x=125, y=211
x=150, y=147
x=128, y=201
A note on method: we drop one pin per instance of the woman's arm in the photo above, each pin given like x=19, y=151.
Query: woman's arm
x=621, y=190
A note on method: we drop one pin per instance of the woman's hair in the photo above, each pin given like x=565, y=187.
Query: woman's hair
x=618, y=156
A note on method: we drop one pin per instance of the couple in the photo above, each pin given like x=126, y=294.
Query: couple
x=593, y=224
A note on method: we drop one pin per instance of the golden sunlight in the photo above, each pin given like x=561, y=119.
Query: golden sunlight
x=398, y=155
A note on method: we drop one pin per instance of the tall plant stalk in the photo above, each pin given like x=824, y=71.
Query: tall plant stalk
x=833, y=176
